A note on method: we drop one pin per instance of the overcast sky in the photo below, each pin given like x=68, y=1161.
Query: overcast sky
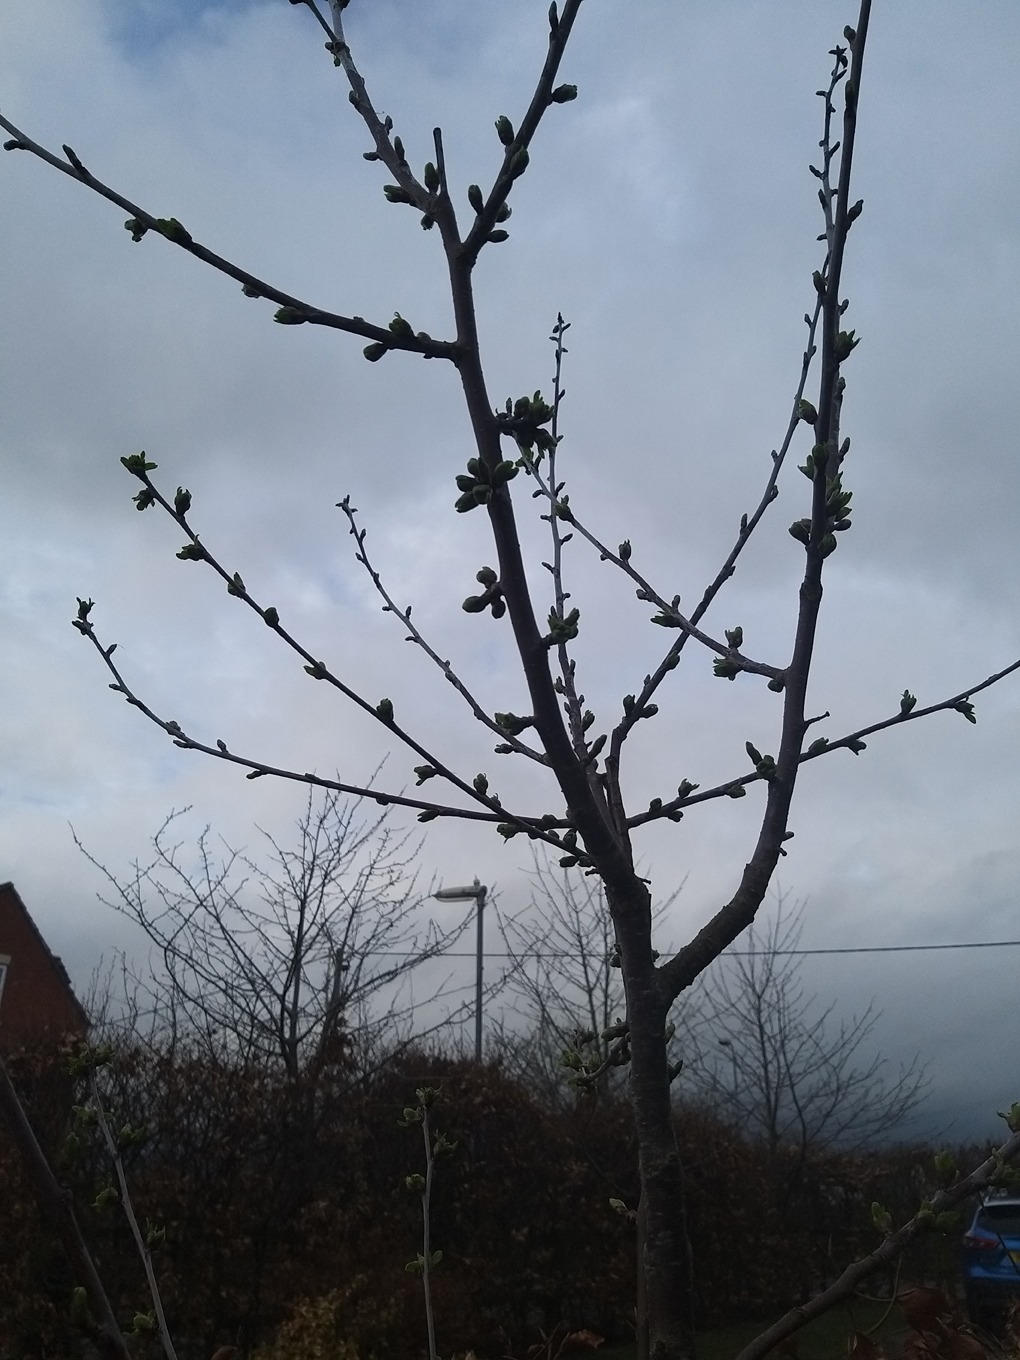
x=669, y=214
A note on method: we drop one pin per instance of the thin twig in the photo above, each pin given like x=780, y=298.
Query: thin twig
x=129, y=1212
x=173, y=231
x=404, y=615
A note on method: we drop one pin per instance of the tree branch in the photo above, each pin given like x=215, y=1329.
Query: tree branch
x=979, y=1179
x=294, y=310
x=853, y=741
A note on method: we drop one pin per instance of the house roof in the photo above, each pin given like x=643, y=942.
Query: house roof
x=33, y=965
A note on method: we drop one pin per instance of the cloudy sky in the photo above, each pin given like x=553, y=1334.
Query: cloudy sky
x=669, y=214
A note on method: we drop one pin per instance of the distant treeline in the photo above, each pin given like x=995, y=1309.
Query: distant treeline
x=289, y=1223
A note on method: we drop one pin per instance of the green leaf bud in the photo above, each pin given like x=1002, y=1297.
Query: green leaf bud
x=431, y=178
x=519, y=164
x=724, y=668
x=512, y=724
x=486, y=576
x=182, y=501
x=801, y=530
x=624, y=550
x=806, y=412
x=827, y=546
x=235, y=586
x=290, y=316
x=395, y=194
x=424, y=772
x=384, y=710
x=136, y=228
x=965, y=707
x=480, y=784
x=945, y=1167
x=401, y=328
x=271, y=617
x=498, y=236
x=846, y=343
x=316, y=670
x=818, y=746
x=505, y=471
x=504, y=212
x=686, y=788
x=881, y=1218
x=504, y=129
x=856, y=746
x=374, y=352
x=81, y=1315
x=192, y=552
x=249, y=291
x=475, y=197
x=736, y=791
x=507, y=830
x=753, y=752
x=137, y=465
x=907, y=701
x=173, y=231
x=563, y=94
x=144, y=499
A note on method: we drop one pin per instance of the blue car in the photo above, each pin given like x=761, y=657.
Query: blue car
x=991, y=1260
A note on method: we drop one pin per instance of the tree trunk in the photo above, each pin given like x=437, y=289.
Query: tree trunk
x=668, y=1274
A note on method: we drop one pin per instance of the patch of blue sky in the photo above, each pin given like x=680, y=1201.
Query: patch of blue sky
x=436, y=31
x=144, y=29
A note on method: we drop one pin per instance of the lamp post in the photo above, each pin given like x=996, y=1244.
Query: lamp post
x=476, y=893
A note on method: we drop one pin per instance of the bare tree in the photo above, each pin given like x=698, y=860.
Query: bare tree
x=581, y=769
x=301, y=960
x=762, y=1051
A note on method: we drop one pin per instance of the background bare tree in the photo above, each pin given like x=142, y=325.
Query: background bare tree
x=764, y=1052
x=772, y=1059
x=303, y=958
x=582, y=770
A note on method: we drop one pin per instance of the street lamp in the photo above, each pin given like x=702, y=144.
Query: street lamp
x=476, y=893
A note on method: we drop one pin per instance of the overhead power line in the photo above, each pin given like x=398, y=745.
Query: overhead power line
x=731, y=953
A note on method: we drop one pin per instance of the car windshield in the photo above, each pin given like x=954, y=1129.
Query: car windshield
x=1003, y=1219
